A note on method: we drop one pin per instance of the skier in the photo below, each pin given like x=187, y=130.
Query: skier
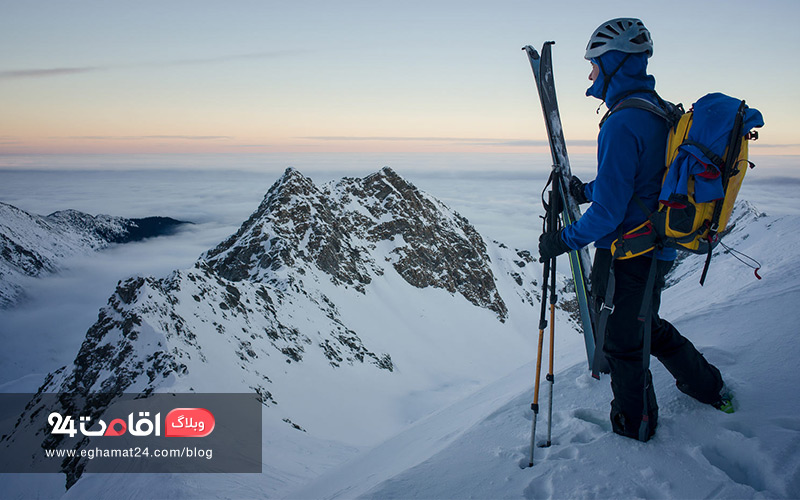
x=630, y=160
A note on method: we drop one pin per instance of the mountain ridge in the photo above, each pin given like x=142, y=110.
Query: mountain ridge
x=33, y=246
x=336, y=244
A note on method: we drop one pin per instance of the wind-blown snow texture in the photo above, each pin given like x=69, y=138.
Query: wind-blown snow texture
x=406, y=362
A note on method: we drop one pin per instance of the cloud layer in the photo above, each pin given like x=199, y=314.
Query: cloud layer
x=64, y=71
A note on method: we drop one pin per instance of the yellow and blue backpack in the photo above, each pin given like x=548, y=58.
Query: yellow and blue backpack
x=706, y=161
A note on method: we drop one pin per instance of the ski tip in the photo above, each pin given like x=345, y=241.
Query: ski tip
x=531, y=52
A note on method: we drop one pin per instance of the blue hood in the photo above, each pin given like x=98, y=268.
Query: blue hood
x=631, y=76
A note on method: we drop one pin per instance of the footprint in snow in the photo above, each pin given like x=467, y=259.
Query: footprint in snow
x=583, y=437
x=545, y=454
x=739, y=465
x=788, y=423
x=541, y=487
x=596, y=417
x=562, y=453
x=717, y=356
x=739, y=428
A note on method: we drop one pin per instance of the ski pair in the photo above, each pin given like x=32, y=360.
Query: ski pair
x=560, y=203
x=579, y=260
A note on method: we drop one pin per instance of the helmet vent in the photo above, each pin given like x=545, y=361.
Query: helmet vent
x=624, y=34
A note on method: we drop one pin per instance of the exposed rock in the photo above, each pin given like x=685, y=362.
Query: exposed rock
x=338, y=228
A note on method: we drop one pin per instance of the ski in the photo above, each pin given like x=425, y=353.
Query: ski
x=579, y=260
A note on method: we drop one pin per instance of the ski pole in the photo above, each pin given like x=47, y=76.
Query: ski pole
x=553, y=300
x=546, y=225
x=542, y=326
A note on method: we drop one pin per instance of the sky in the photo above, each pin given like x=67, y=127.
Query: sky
x=224, y=77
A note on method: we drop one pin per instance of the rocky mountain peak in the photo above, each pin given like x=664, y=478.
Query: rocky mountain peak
x=350, y=229
x=292, y=182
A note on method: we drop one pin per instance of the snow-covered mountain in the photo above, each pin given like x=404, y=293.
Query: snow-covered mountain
x=32, y=246
x=374, y=387
x=364, y=296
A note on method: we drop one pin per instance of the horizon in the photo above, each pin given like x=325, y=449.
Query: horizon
x=359, y=77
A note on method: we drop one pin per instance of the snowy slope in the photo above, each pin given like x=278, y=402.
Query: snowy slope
x=32, y=246
x=478, y=448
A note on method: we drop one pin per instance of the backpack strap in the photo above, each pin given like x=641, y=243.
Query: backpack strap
x=606, y=309
x=714, y=157
x=671, y=113
x=646, y=317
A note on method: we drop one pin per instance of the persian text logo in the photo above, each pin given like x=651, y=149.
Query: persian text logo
x=179, y=422
x=189, y=422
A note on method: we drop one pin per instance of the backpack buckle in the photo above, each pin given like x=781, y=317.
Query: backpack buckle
x=605, y=307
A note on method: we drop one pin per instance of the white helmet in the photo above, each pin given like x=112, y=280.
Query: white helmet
x=626, y=34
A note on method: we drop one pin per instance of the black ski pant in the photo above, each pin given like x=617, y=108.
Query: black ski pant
x=623, y=346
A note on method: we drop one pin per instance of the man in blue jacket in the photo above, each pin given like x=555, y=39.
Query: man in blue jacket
x=630, y=161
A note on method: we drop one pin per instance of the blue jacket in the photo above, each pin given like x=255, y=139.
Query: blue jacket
x=631, y=150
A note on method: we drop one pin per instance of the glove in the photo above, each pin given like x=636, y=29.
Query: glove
x=577, y=190
x=552, y=245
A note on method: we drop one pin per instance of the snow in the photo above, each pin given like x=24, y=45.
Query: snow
x=478, y=447
x=457, y=423
x=478, y=450
x=698, y=452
